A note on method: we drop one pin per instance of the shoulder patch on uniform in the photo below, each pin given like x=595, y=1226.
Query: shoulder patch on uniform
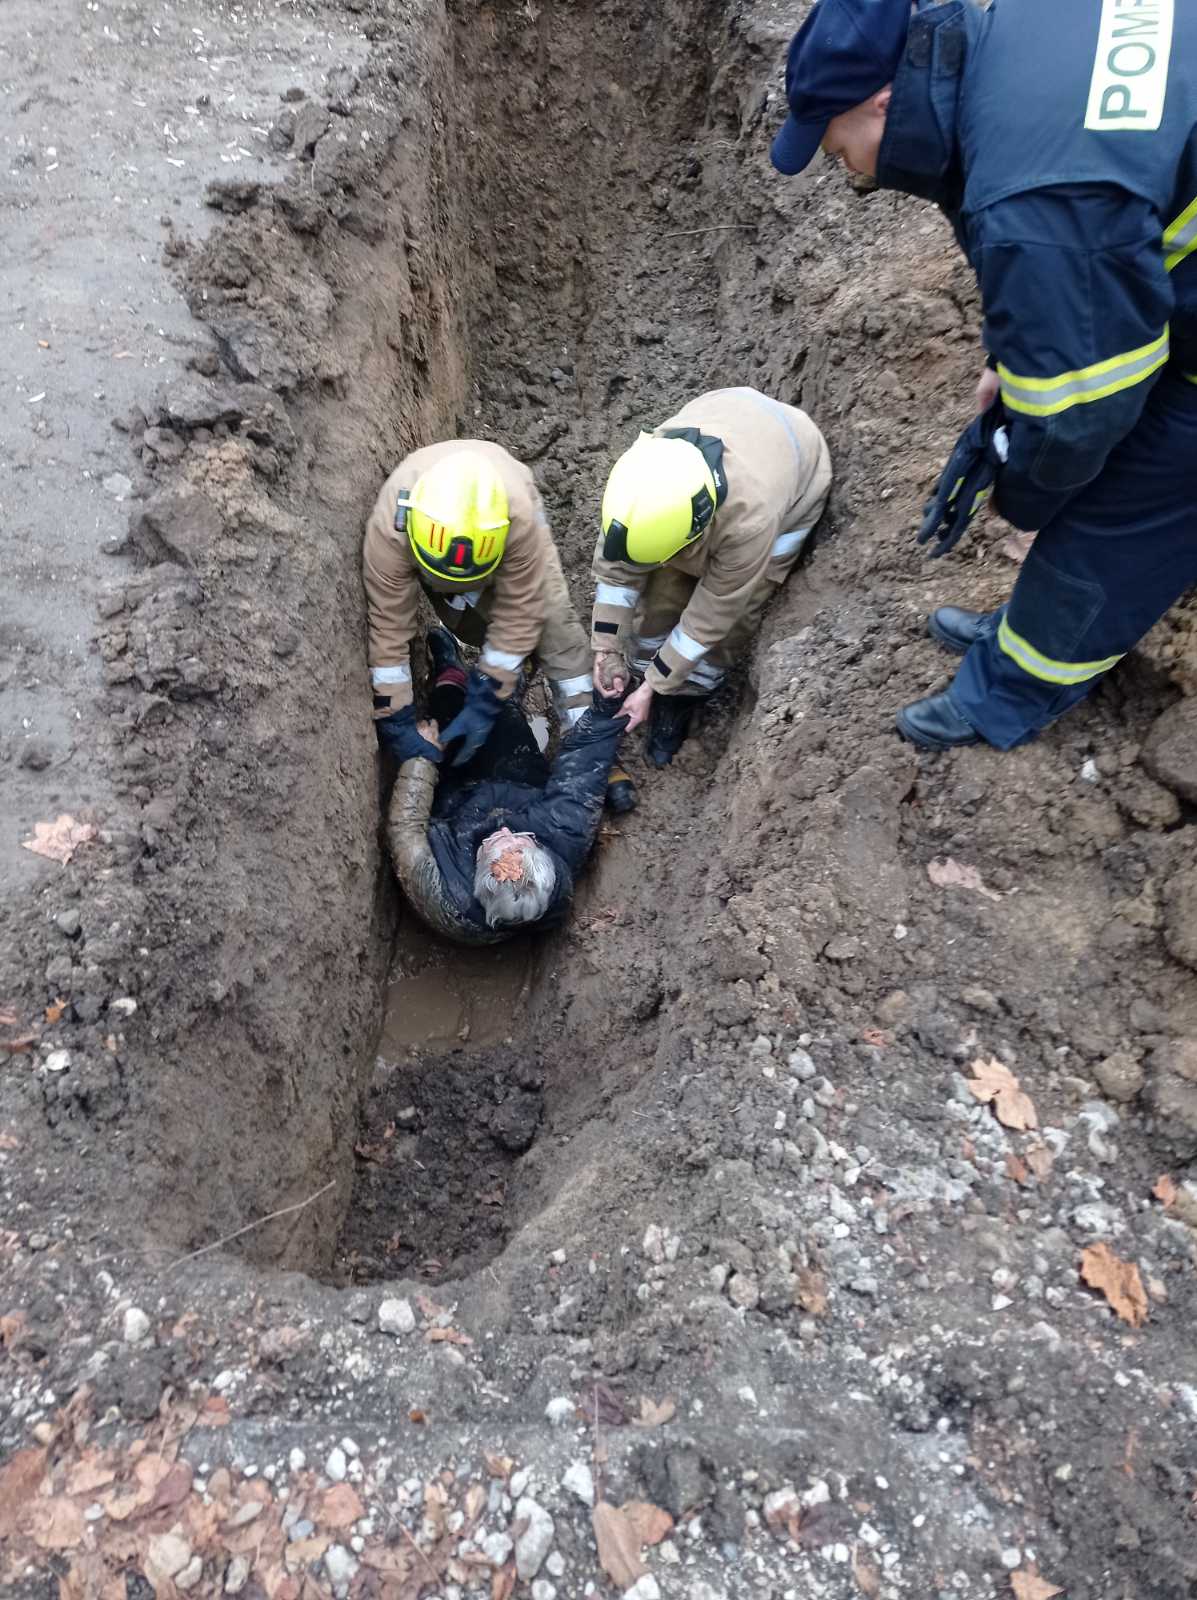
x=1130, y=70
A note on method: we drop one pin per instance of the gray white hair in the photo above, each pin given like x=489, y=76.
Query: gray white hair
x=512, y=901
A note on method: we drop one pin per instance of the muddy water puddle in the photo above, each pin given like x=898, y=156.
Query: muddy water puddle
x=441, y=995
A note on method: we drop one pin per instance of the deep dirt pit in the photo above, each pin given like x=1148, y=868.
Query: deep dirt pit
x=728, y=1156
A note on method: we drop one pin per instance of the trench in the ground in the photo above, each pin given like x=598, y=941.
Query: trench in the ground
x=583, y=326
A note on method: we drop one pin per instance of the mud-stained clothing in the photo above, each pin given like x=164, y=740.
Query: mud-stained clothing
x=681, y=623
x=434, y=827
x=523, y=609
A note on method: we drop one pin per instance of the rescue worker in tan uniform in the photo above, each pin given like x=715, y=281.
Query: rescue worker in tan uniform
x=463, y=521
x=702, y=520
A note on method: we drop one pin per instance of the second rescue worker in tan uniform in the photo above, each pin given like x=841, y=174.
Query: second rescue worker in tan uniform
x=702, y=520
x=463, y=521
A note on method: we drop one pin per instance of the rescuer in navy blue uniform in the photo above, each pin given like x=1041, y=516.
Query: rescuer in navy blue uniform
x=1061, y=141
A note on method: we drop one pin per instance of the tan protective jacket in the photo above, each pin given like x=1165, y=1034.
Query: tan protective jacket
x=519, y=602
x=778, y=472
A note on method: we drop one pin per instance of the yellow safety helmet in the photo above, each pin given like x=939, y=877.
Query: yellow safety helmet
x=456, y=518
x=659, y=498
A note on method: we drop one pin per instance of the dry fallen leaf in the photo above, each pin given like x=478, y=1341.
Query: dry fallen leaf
x=618, y=1550
x=649, y=1523
x=1017, y=1169
x=498, y=1466
x=1165, y=1190
x=429, y=1308
x=174, y=1488
x=26, y=1041
x=58, y=840
x=9, y=1141
x=214, y=1412
x=1028, y=1585
x=653, y=1415
x=12, y=1327
x=475, y=1502
x=951, y=874
x=20, y=1477
x=300, y=1551
x=54, y=1524
x=1016, y=547
x=447, y=1336
x=8, y=1017
x=55, y=1010
x=994, y=1083
x=388, y=1559
x=812, y=1291
x=867, y=1575
x=90, y=1473
x=339, y=1507
x=601, y=1404
x=1040, y=1159
x=502, y=1585
x=877, y=1037
x=1118, y=1280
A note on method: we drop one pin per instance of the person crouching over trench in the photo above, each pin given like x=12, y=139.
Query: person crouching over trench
x=489, y=848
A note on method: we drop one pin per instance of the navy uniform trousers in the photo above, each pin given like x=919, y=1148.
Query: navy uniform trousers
x=1098, y=577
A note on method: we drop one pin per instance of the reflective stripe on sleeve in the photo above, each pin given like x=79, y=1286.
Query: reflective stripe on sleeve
x=1046, y=397
x=574, y=714
x=506, y=660
x=568, y=686
x=681, y=641
x=785, y=544
x=1024, y=655
x=1180, y=237
x=706, y=677
x=614, y=594
x=380, y=675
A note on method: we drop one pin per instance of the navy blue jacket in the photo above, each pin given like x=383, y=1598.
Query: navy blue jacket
x=1061, y=140
x=440, y=815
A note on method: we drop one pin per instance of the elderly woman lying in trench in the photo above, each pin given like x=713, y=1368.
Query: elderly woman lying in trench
x=491, y=848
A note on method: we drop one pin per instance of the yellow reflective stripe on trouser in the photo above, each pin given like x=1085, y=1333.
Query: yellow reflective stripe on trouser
x=1038, y=665
x=1045, y=397
x=1180, y=237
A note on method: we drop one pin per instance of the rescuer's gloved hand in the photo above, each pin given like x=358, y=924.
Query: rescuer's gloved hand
x=967, y=481
x=399, y=734
x=472, y=724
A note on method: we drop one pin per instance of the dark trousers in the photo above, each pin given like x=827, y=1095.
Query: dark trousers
x=510, y=754
x=1098, y=576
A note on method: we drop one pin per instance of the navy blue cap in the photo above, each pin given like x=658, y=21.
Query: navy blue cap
x=844, y=52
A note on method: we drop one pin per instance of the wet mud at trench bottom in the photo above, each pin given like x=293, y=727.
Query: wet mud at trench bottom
x=457, y=1095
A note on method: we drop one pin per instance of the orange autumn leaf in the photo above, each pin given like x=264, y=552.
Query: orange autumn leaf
x=1165, y=1190
x=1028, y=1585
x=1118, y=1280
x=649, y=1523
x=447, y=1336
x=55, y=1010
x=58, y=840
x=1017, y=1169
x=340, y=1507
x=812, y=1291
x=994, y=1084
x=618, y=1545
x=1040, y=1160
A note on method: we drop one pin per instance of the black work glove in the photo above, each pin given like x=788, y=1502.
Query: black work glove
x=398, y=734
x=472, y=724
x=967, y=481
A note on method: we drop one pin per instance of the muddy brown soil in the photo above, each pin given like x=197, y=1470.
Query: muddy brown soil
x=714, y=1141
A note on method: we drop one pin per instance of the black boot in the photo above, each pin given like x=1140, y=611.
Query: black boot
x=621, y=792
x=442, y=651
x=668, y=724
x=957, y=630
x=935, y=724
